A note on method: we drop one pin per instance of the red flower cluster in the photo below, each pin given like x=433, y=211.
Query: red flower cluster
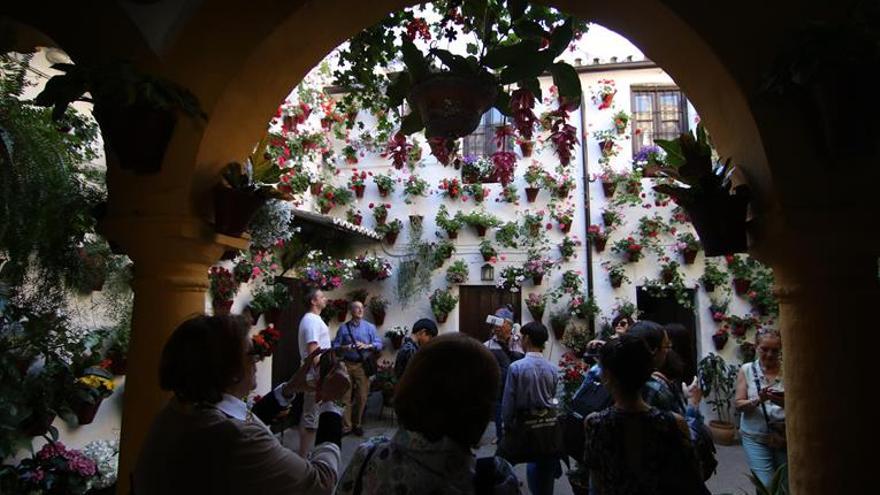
x=418, y=27
x=440, y=148
x=266, y=341
x=564, y=138
x=398, y=149
x=522, y=105
x=505, y=163
x=450, y=188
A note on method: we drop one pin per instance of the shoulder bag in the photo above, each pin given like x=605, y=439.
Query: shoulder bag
x=775, y=437
x=534, y=435
x=368, y=361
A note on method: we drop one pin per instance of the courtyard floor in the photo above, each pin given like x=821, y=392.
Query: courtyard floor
x=730, y=477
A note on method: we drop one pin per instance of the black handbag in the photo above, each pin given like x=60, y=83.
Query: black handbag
x=534, y=436
x=367, y=361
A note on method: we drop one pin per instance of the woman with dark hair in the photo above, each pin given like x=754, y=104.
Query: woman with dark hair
x=206, y=440
x=444, y=403
x=658, y=391
x=632, y=448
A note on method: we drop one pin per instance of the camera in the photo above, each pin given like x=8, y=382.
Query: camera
x=494, y=320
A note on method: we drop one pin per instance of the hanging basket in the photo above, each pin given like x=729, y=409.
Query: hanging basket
x=532, y=194
x=720, y=340
x=222, y=307
x=359, y=191
x=378, y=318
x=616, y=281
x=234, y=209
x=600, y=242
x=689, y=256
x=452, y=234
x=441, y=317
x=537, y=279
x=86, y=411
x=481, y=231
x=452, y=106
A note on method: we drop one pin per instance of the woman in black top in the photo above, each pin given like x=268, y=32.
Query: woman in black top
x=632, y=448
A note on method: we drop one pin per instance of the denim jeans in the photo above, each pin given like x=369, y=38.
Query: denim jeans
x=542, y=475
x=498, y=429
x=763, y=460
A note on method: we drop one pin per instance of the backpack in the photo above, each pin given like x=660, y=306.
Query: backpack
x=591, y=397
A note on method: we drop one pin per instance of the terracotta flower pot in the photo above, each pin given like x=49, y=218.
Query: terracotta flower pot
x=451, y=106
x=532, y=194
x=634, y=256
x=85, y=412
x=351, y=160
x=538, y=279
x=723, y=432
x=359, y=191
x=378, y=318
x=558, y=332
x=606, y=146
x=481, y=231
x=600, y=242
x=380, y=220
x=341, y=315
x=689, y=256
x=562, y=192
x=391, y=237
x=325, y=209
x=357, y=219
x=222, y=307
x=607, y=219
x=527, y=147
x=720, y=340
x=234, y=209
x=383, y=192
x=452, y=234
x=537, y=315
x=488, y=257
x=741, y=285
x=415, y=220
x=441, y=317
x=668, y=276
x=316, y=188
x=709, y=286
x=565, y=227
x=608, y=188
x=396, y=341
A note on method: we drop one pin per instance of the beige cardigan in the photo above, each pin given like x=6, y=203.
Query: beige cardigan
x=202, y=450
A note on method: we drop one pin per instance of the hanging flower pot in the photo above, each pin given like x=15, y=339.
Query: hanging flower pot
x=634, y=256
x=234, y=209
x=565, y=227
x=273, y=316
x=616, y=280
x=719, y=339
x=221, y=307
x=369, y=275
x=608, y=188
x=558, y=330
x=738, y=329
x=747, y=352
x=316, y=188
x=86, y=411
x=741, y=285
x=600, y=242
x=481, y=231
x=608, y=218
x=255, y=315
x=325, y=208
x=396, y=341
x=606, y=146
x=527, y=147
x=562, y=192
x=342, y=314
x=383, y=192
x=416, y=220
x=689, y=256
x=534, y=230
x=441, y=317
x=452, y=106
x=380, y=219
x=668, y=276
x=531, y=194
x=537, y=314
x=378, y=318
x=537, y=279
x=391, y=237
x=452, y=234
x=359, y=191
x=356, y=219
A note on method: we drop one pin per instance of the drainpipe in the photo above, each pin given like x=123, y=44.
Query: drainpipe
x=586, y=182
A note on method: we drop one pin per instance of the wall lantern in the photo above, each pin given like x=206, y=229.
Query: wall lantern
x=487, y=273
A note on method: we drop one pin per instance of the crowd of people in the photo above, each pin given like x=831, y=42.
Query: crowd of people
x=638, y=428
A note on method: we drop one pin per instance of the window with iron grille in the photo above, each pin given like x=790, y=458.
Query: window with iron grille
x=658, y=112
x=481, y=144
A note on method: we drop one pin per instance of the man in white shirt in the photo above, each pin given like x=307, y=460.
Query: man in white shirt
x=313, y=334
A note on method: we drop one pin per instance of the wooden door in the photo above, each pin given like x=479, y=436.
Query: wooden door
x=285, y=360
x=478, y=301
x=666, y=309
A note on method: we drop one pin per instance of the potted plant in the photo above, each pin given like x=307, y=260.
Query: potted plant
x=713, y=277
x=621, y=121
x=414, y=187
x=477, y=169
x=572, y=283
x=268, y=298
x=350, y=153
x=390, y=230
x=568, y=246
x=688, y=246
x=385, y=184
x=509, y=194
x=271, y=224
x=457, y=273
x=561, y=186
x=487, y=250
x=331, y=197
x=649, y=160
x=222, y=289
x=609, y=179
x=603, y=95
x=536, y=267
x=611, y=218
x=533, y=222
x=629, y=249
x=380, y=212
x=740, y=325
x=583, y=307
x=718, y=215
x=717, y=380
x=719, y=338
x=443, y=250
x=616, y=273
x=504, y=164
x=266, y=341
x=534, y=177
x=669, y=271
x=742, y=269
x=442, y=303
x=607, y=141
x=450, y=224
x=477, y=191
x=507, y=235
x=91, y=271
x=597, y=237
x=511, y=278
x=373, y=267
x=537, y=303
x=91, y=389
x=53, y=469
x=237, y=198
x=357, y=183
x=354, y=216
x=526, y=147
x=396, y=336
x=564, y=215
x=378, y=306
x=359, y=295
x=450, y=188
x=480, y=220
x=718, y=309
x=559, y=322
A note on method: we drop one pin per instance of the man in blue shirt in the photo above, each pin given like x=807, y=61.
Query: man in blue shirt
x=358, y=340
x=422, y=332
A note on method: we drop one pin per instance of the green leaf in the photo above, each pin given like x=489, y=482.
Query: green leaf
x=398, y=89
x=526, y=68
x=456, y=63
x=533, y=85
x=561, y=37
x=567, y=81
x=411, y=123
x=415, y=61
x=525, y=28
x=502, y=103
x=517, y=9
x=503, y=56
x=475, y=9
x=674, y=156
x=472, y=49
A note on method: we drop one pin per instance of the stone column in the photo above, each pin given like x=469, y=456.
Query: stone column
x=171, y=261
x=830, y=345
